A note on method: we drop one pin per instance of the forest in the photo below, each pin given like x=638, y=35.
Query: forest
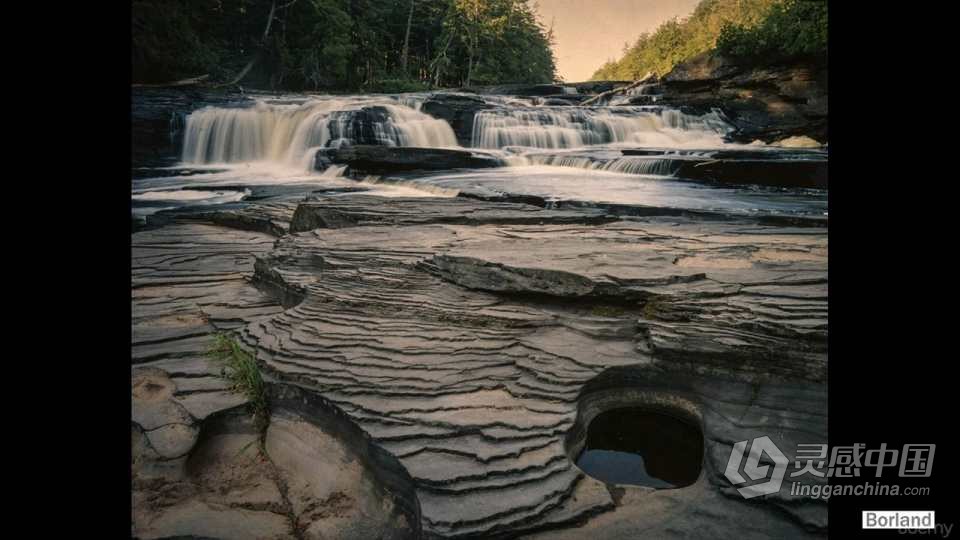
x=366, y=45
x=752, y=30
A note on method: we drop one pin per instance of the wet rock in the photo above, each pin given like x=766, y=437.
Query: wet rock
x=157, y=118
x=766, y=166
x=768, y=172
x=458, y=110
x=361, y=210
x=383, y=159
x=363, y=126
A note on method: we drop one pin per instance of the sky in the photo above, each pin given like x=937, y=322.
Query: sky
x=589, y=32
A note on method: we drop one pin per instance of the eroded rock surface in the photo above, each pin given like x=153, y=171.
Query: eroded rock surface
x=302, y=480
x=457, y=347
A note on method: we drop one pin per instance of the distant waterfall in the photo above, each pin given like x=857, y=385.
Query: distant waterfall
x=287, y=132
x=570, y=127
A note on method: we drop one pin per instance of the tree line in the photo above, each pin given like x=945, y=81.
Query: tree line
x=371, y=45
x=752, y=30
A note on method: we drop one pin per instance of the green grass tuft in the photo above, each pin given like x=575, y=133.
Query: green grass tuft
x=240, y=368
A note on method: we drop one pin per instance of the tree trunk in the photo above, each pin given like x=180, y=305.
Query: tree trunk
x=470, y=68
x=437, y=64
x=406, y=41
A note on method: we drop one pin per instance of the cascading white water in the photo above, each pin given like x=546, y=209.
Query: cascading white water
x=334, y=171
x=645, y=165
x=642, y=165
x=290, y=133
x=568, y=127
x=414, y=128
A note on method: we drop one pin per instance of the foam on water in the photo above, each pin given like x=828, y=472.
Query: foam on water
x=189, y=195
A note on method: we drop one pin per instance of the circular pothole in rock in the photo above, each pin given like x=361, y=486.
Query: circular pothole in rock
x=643, y=447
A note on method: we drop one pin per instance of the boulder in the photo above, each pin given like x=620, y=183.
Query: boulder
x=362, y=126
x=458, y=110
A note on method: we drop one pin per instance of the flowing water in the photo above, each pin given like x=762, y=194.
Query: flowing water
x=576, y=127
x=558, y=153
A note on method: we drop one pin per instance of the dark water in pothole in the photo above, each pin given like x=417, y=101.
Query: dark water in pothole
x=642, y=447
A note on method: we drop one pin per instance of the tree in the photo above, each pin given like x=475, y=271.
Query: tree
x=379, y=45
x=678, y=40
x=406, y=40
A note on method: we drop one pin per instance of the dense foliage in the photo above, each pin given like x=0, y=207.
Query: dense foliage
x=376, y=45
x=792, y=28
x=745, y=28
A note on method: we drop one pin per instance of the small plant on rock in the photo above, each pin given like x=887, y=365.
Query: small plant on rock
x=240, y=368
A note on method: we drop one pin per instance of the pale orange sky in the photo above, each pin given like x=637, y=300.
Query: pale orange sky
x=590, y=32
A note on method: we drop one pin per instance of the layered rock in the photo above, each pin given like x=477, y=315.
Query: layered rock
x=199, y=468
x=769, y=103
x=360, y=210
x=457, y=349
x=484, y=378
x=370, y=159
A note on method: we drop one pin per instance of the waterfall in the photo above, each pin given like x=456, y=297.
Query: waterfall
x=569, y=127
x=286, y=133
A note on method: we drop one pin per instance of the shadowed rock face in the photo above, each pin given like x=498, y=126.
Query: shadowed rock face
x=369, y=159
x=766, y=103
x=460, y=349
x=157, y=116
x=458, y=110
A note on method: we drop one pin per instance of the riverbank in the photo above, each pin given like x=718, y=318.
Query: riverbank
x=436, y=294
